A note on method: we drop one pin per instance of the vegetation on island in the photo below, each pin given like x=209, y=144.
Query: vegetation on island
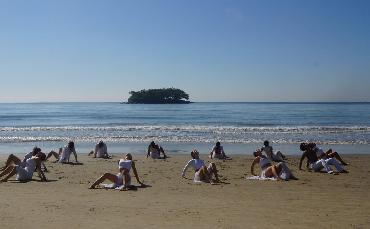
x=159, y=96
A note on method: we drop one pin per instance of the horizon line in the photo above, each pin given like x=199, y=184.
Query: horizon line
x=267, y=102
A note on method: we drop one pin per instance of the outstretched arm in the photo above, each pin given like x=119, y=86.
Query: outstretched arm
x=39, y=171
x=185, y=168
x=135, y=173
x=148, y=152
x=300, y=161
x=211, y=153
x=255, y=161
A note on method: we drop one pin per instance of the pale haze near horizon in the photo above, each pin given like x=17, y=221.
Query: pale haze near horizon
x=241, y=51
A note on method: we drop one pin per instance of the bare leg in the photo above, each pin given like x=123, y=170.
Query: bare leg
x=106, y=176
x=336, y=156
x=12, y=159
x=214, y=171
x=11, y=171
x=53, y=153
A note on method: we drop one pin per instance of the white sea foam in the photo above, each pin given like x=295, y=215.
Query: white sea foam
x=189, y=133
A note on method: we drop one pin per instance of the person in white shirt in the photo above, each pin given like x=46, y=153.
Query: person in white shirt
x=155, y=150
x=280, y=171
x=276, y=157
x=25, y=171
x=218, y=152
x=12, y=159
x=64, y=153
x=326, y=155
x=101, y=151
x=121, y=178
x=202, y=173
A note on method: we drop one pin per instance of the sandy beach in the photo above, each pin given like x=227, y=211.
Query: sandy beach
x=316, y=200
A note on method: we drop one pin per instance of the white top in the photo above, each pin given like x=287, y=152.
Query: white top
x=264, y=162
x=101, y=151
x=66, y=153
x=31, y=165
x=319, y=151
x=195, y=163
x=28, y=156
x=267, y=150
x=219, y=151
x=124, y=164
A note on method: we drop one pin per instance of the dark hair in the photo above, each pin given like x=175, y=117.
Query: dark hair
x=42, y=156
x=255, y=153
x=266, y=143
x=35, y=150
x=303, y=146
x=192, y=153
x=71, y=144
x=152, y=144
x=218, y=144
x=101, y=143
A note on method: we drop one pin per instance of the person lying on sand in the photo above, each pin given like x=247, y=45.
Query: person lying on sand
x=12, y=159
x=154, y=151
x=218, y=152
x=316, y=164
x=101, y=151
x=202, y=173
x=276, y=157
x=123, y=177
x=25, y=171
x=279, y=171
x=326, y=155
x=64, y=153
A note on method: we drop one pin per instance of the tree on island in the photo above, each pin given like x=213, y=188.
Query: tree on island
x=159, y=96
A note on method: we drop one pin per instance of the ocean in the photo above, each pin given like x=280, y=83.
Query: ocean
x=241, y=127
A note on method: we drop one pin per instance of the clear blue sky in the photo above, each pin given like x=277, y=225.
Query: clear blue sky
x=74, y=50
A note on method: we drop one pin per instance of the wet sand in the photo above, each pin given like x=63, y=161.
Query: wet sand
x=316, y=200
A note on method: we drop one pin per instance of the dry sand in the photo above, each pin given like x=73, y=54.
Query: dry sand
x=316, y=200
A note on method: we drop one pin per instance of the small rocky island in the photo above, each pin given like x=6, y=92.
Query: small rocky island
x=158, y=96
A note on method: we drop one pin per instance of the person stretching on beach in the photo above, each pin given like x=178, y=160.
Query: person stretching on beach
x=12, y=159
x=276, y=157
x=202, y=173
x=25, y=171
x=218, y=152
x=316, y=164
x=64, y=153
x=279, y=171
x=326, y=155
x=154, y=151
x=123, y=177
x=100, y=151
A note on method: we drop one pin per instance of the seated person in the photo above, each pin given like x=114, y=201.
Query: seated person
x=123, y=177
x=279, y=171
x=218, y=152
x=100, y=151
x=328, y=154
x=154, y=151
x=25, y=171
x=64, y=153
x=276, y=157
x=316, y=164
x=202, y=173
x=12, y=159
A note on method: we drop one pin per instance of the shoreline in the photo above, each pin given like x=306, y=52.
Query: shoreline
x=176, y=148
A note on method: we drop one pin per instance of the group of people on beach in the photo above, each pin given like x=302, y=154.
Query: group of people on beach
x=272, y=164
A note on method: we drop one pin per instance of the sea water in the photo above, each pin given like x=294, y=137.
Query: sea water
x=240, y=127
